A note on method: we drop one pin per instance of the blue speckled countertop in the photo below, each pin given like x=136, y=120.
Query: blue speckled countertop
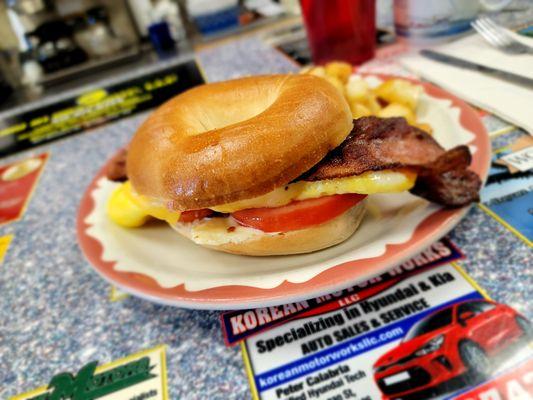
x=55, y=312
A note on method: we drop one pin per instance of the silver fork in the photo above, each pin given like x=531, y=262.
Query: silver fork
x=499, y=37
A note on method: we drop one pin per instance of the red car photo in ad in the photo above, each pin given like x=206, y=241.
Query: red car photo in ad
x=454, y=347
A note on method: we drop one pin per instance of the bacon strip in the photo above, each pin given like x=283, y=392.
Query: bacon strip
x=384, y=143
x=446, y=180
x=116, y=168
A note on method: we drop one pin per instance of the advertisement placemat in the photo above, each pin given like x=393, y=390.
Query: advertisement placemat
x=139, y=376
x=17, y=182
x=96, y=107
x=242, y=324
x=431, y=334
x=508, y=192
x=5, y=241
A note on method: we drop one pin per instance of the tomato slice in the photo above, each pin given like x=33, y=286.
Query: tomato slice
x=192, y=215
x=298, y=214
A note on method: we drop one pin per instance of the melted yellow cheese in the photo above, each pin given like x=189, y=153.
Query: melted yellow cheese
x=129, y=209
x=387, y=181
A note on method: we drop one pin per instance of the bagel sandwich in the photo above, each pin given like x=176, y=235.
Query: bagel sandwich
x=274, y=165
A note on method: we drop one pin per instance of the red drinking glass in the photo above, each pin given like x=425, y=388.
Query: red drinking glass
x=340, y=29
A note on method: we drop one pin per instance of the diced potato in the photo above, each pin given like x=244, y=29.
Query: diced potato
x=398, y=110
x=340, y=70
x=335, y=82
x=401, y=96
x=357, y=90
x=425, y=127
x=359, y=110
x=399, y=91
x=373, y=104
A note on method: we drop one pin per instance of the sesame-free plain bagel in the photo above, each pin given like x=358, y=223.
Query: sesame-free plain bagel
x=228, y=141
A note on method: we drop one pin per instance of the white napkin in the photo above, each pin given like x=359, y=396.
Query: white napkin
x=509, y=101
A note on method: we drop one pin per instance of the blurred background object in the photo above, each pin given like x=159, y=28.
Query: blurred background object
x=213, y=16
x=340, y=29
x=95, y=35
x=5, y=88
x=60, y=44
x=430, y=21
x=500, y=37
x=61, y=40
x=51, y=46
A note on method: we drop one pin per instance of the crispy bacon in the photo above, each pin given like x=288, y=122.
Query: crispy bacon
x=384, y=143
x=446, y=180
x=116, y=168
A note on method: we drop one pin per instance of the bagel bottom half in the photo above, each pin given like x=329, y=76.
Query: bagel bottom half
x=251, y=242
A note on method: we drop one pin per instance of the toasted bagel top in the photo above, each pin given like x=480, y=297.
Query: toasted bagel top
x=227, y=141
